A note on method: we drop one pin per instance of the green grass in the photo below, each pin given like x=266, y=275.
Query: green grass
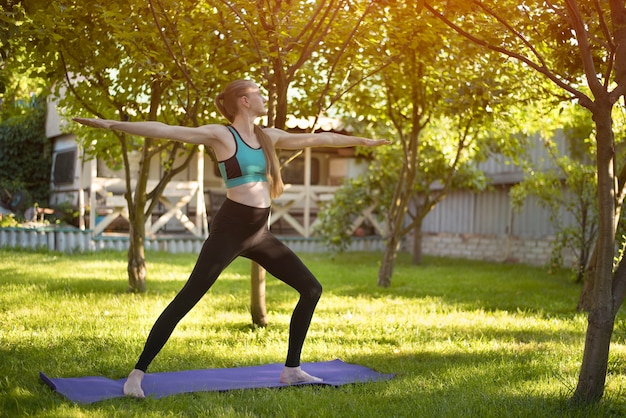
x=465, y=339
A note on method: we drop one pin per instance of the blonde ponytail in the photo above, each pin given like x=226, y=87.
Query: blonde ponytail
x=273, y=165
x=221, y=107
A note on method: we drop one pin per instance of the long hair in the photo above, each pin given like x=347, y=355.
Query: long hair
x=226, y=103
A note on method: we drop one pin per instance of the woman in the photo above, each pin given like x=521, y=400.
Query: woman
x=250, y=168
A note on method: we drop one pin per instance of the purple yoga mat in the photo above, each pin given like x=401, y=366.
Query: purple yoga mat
x=90, y=389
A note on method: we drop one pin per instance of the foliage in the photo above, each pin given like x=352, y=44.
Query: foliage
x=568, y=187
x=132, y=73
x=334, y=222
x=20, y=82
x=8, y=221
x=26, y=156
x=349, y=55
x=304, y=51
x=504, y=337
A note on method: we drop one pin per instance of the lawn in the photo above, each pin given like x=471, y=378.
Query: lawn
x=465, y=339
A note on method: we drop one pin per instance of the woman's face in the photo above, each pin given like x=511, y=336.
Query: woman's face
x=256, y=101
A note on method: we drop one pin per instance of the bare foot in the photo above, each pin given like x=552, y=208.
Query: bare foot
x=293, y=375
x=132, y=387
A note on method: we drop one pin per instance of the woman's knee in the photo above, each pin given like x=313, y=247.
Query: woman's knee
x=314, y=291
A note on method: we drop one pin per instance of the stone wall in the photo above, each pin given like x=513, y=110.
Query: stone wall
x=498, y=248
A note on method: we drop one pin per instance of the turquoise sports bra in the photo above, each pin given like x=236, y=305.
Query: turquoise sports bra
x=247, y=165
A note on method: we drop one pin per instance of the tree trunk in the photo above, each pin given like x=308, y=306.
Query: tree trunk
x=137, y=270
x=417, y=244
x=395, y=224
x=257, y=295
x=595, y=357
x=585, y=300
x=601, y=318
x=389, y=259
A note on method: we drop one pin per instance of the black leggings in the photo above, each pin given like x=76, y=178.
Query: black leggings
x=240, y=230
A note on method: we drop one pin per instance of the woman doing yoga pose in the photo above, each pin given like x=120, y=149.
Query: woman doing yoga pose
x=249, y=165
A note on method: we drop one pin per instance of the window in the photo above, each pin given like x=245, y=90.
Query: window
x=293, y=173
x=64, y=167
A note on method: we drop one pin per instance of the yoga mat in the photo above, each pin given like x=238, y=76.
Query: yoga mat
x=90, y=389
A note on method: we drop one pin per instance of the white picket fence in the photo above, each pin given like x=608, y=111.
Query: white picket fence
x=70, y=240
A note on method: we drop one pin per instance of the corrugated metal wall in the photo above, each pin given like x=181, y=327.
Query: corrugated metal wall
x=490, y=212
x=493, y=211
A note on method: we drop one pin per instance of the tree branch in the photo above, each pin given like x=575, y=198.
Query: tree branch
x=181, y=66
x=510, y=28
x=343, y=50
x=155, y=193
x=257, y=47
x=583, y=99
x=604, y=26
x=71, y=87
x=619, y=285
x=585, y=50
x=315, y=37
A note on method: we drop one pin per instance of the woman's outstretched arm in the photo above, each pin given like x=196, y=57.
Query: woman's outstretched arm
x=200, y=135
x=285, y=140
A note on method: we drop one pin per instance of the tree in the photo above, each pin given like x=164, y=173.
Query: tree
x=578, y=46
x=155, y=61
x=443, y=101
x=139, y=61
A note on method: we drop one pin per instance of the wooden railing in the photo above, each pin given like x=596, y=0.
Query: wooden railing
x=107, y=198
x=297, y=207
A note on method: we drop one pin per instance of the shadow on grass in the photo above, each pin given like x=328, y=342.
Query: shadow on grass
x=469, y=285
x=62, y=274
x=465, y=284
x=492, y=384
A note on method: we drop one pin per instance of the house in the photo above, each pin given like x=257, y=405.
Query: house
x=465, y=224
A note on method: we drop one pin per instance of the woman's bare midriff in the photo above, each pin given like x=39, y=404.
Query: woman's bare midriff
x=255, y=194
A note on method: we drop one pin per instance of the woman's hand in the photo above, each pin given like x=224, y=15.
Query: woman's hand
x=95, y=123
